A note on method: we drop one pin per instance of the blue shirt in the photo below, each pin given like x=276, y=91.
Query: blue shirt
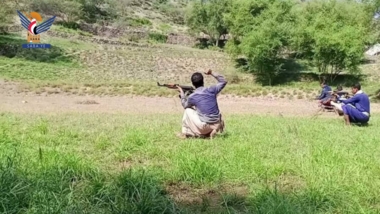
x=360, y=100
x=205, y=100
x=325, y=93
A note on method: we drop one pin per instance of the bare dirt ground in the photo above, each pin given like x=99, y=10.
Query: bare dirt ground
x=10, y=101
x=60, y=103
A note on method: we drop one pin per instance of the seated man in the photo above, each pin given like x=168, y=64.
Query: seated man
x=357, y=108
x=339, y=90
x=340, y=93
x=337, y=96
x=324, y=98
x=205, y=120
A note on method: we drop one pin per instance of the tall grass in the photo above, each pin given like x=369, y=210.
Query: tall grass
x=65, y=184
x=86, y=163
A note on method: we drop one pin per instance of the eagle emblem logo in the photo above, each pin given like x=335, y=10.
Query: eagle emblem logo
x=29, y=22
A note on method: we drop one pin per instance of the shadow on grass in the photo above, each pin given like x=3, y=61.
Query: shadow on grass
x=70, y=25
x=67, y=185
x=266, y=201
x=61, y=183
x=312, y=201
x=361, y=124
x=205, y=43
x=11, y=46
x=293, y=71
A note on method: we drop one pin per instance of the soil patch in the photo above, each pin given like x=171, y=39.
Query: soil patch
x=215, y=199
x=130, y=104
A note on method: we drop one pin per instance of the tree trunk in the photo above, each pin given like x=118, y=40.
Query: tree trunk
x=334, y=73
x=217, y=40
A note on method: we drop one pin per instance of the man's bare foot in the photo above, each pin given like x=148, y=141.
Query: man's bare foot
x=221, y=126
x=336, y=111
x=339, y=113
x=347, y=120
x=213, y=133
x=181, y=136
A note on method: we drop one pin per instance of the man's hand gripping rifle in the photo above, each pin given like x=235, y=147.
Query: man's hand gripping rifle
x=186, y=89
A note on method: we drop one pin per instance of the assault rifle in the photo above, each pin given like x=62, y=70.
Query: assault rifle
x=344, y=94
x=186, y=89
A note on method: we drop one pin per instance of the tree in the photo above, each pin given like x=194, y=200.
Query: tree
x=333, y=35
x=8, y=12
x=207, y=17
x=69, y=11
x=261, y=30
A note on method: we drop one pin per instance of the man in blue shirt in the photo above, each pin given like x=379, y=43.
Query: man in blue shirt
x=324, y=97
x=357, y=108
x=205, y=119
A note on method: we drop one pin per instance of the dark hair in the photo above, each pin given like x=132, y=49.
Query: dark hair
x=340, y=88
x=357, y=86
x=197, y=79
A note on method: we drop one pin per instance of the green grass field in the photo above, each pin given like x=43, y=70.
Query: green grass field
x=126, y=163
x=98, y=163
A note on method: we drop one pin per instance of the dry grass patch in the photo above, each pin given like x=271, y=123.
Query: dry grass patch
x=208, y=199
x=87, y=102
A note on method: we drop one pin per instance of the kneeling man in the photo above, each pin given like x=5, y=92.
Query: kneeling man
x=205, y=120
x=357, y=108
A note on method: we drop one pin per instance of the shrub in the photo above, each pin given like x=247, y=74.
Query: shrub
x=157, y=37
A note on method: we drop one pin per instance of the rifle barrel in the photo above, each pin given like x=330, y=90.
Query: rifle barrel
x=174, y=86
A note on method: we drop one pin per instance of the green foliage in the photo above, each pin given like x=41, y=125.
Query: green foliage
x=94, y=10
x=332, y=37
x=377, y=94
x=69, y=11
x=8, y=12
x=207, y=18
x=172, y=11
x=11, y=47
x=139, y=22
x=59, y=168
x=61, y=185
x=264, y=36
x=165, y=28
x=157, y=37
x=5, y=12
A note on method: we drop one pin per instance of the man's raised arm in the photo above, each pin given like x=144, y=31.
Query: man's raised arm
x=222, y=82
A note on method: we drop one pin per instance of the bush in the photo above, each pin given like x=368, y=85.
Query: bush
x=69, y=11
x=139, y=22
x=174, y=13
x=157, y=37
x=94, y=10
